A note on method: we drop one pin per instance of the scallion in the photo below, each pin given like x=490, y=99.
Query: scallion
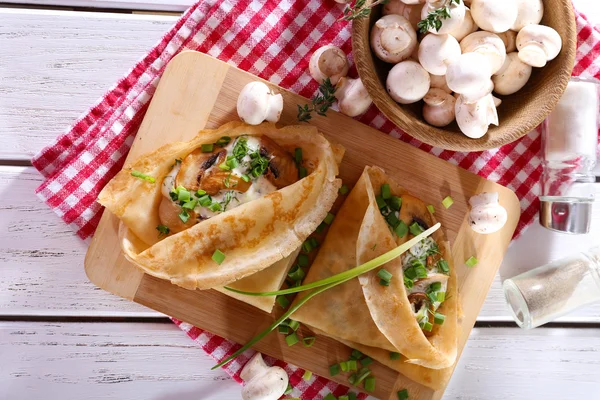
x=223, y=141
x=298, y=155
x=205, y=201
x=435, y=287
x=190, y=205
x=370, y=384
x=245, y=178
x=447, y=202
x=208, y=148
x=224, y=166
x=302, y=172
x=361, y=375
x=321, y=227
x=296, y=273
x=380, y=202
x=214, y=207
x=308, y=341
x=145, y=177
x=294, y=325
x=385, y=274
x=200, y=192
x=329, y=218
x=410, y=273
x=443, y=266
x=163, y=230
x=386, y=192
x=352, y=379
x=352, y=365
x=427, y=326
x=441, y=297
x=351, y=396
x=344, y=366
x=291, y=339
x=366, y=361
x=307, y=375
x=329, y=397
x=432, y=297
x=343, y=190
x=383, y=282
x=342, y=398
x=392, y=220
x=415, y=228
x=395, y=203
x=314, y=243
x=334, y=369
x=218, y=256
x=283, y=301
x=403, y=394
x=394, y=355
x=421, y=272
x=439, y=318
x=289, y=389
x=401, y=230
x=283, y=329
x=184, y=216
x=303, y=260
x=409, y=283
x=431, y=209
x=471, y=262
x=356, y=355
x=184, y=195
x=306, y=247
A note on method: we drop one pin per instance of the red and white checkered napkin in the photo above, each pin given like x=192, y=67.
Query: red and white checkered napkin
x=273, y=40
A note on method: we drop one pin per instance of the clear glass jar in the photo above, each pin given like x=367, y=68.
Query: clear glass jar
x=553, y=290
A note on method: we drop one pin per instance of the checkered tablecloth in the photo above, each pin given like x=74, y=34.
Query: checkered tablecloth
x=274, y=40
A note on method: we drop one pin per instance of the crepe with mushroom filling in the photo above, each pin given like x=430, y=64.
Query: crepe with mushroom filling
x=350, y=312
x=225, y=205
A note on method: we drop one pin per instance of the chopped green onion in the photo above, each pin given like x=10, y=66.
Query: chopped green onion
x=384, y=274
x=163, y=230
x=302, y=172
x=307, y=375
x=447, y=202
x=145, y=177
x=401, y=230
x=334, y=369
x=403, y=394
x=362, y=374
x=409, y=283
x=289, y=389
x=314, y=243
x=344, y=189
x=352, y=365
x=343, y=398
x=410, y=273
x=351, y=396
x=392, y=220
x=435, y=287
x=200, y=192
x=366, y=361
x=344, y=366
x=415, y=228
x=303, y=260
x=190, y=205
x=291, y=339
x=427, y=326
x=283, y=329
x=224, y=166
x=208, y=148
x=184, y=195
x=383, y=282
x=431, y=209
x=441, y=297
x=296, y=273
x=184, y=216
x=298, y=155
x=356, y=355
x=308, y=341
x=245, y=178
x=421, y=272
x=439, y=318
x=432, y=297
x=223, y=141
x=283, y=301
x=352, y=379
x=380, y=202
x=471, y=262
x=443, y=265
x=329, y=218
x=294, y=325
x=214, y=207
x=386, y=192
x=394, y=355
x=306, y=247
x=321, y=227
x=370, y=384
x=329, y=397
x=218, y=256
x=395, y=203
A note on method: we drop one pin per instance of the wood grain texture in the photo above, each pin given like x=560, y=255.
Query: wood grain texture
x=157, y=361
x=519, y=113
x=197, y=90
x=56, y=64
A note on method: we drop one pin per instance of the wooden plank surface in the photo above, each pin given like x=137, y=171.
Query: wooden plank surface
x=157, y=361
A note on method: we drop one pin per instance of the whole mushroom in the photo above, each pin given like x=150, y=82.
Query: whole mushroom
x=262, y=382
x=457, y=13
x=257, y=103
x=408, y=82
x=538, y=44
x=469, y=75
x=510, y=40
x=328, y=62
x=530, y=12
x=436, y=52
x=352, y=96
x=487, y=44
x=513, y=75
x=487, y=215
x=393, y=38
x=439, y=107
x=409, y=10
x=474, y=119
x=466, y=27
x=494, y=15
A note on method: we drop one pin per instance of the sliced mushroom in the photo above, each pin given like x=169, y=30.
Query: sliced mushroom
x=439, y=82
x=469, y=74
x=408, y=82
x=352, y=96
x=467, y=27
x=439, y=107
x=168, y=214
x=328, y=62
x=457, y=15
x=487, y=44
x=510, y=40
x=530, y=12
x=257, y=103
x=261, y=381
x=494, y=15
x=538, y=44
x=409, y=10
x=436, y=52
x=393, y=38
x=474, y=119
x=194, y=165
x=282, y=170
x=513, y=75
x=418, y=301
x=215, y=179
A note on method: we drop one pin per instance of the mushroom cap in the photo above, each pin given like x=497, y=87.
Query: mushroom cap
x=353, y=98
x=538, y=44
x=436, y=52
x=466, y=27
x=256, y=365
x=510, y=40
x=474, y=119
x=393, y=38
x=488, y=44
x=328, y=62
x=410, y=11
x=408, y=82
x=493, y=15
x=484, y=199
x=530, y=12
x=271, y=384
x=475, y=95
x=513, y=75
x=439, y=82
x=457, y=15
x=469, y=73
x=439, y=107
x=257, y=103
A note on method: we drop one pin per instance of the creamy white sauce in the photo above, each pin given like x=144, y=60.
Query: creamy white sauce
x=168, y=183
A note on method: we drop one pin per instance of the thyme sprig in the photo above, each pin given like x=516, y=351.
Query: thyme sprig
x=434, y=18
x=320, y=103
x=359, y=9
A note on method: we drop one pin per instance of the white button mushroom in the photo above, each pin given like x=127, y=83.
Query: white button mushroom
x=457, y=15
x=257, y=103
x=497, y=101
x=439, y=107
x=328, y=62
x=408, y=82
x=436, y=52
x=488, y=44
x=468, y=26
x=474, y=119
x=353, y=98
x=410, y=11
x=439, y=82
x=494, y=15
x=510, y=40
x=262, y=382
x=530, y=12
x=513, y=75
x=393, y=38
x=469, y=74
x=476, y=95
x=538, y=44
x=487, y=215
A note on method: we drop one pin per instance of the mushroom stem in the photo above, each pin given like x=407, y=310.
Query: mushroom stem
x=262, y=382
x=257, y=103
x=353, y=98
x=487, y=215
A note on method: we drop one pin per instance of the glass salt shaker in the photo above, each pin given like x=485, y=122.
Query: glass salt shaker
x=553, y=290
x=569, y=146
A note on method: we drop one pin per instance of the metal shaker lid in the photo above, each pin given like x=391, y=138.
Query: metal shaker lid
x=566, y=215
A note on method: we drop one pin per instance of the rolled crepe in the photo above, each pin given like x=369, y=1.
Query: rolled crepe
x=254, y=236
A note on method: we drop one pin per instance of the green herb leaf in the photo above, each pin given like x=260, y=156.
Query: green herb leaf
x=320, y=103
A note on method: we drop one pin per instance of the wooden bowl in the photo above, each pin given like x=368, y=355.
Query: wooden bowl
x=519, y=113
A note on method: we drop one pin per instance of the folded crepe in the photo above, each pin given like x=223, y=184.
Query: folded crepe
x=391, y=318
x=230, y=203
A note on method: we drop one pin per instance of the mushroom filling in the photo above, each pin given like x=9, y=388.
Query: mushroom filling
x=221, y=176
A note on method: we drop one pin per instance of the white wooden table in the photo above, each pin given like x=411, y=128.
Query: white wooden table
x=63, y=338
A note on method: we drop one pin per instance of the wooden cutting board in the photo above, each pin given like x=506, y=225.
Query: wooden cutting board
x=198, y=91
